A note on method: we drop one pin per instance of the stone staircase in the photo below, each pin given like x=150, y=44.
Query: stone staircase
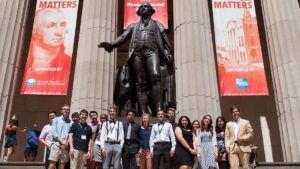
x=39, y=165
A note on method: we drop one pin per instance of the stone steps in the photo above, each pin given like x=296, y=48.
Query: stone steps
x=40, y=165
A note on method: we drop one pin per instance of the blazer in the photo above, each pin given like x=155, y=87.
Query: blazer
x=245, y=132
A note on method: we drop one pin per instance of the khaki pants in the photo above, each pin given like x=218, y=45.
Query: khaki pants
x=236, y=156
x=77, y=162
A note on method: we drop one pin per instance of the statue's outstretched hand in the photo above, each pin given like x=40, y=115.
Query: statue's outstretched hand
x=107, y=46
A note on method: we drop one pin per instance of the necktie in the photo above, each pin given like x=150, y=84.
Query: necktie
x=128, y=131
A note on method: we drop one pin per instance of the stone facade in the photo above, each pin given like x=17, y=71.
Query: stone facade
x=93, y=72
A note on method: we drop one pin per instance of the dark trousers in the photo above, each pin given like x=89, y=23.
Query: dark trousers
x=224, y=165
x=129, y=156
x=161, y=150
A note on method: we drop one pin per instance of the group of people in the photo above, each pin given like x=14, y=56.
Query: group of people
x=109, y=142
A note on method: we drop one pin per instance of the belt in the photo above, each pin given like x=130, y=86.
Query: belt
x=162, y=142
x=113, y=142
x=131, y=141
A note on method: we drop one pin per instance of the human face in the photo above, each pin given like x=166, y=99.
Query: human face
x=235, y=114
x=130, y=117
x=220, y=123
x=160, y=116
x=53, y=29
x=51, y=117
x=145, y=120
x=65, y=111
x=184, y=122
x=206, y=120
x=112, y=113
x=83, y=116
x=75, y=119
x=171, y=115
x=196, y=125
x=93, y=117
x=35, y=127
x=102, y=118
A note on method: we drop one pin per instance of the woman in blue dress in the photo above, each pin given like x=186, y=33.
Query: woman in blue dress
x=11, y=137
x=207, y=144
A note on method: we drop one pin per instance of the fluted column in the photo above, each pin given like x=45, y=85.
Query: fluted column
x=196, y=78
x=12, y=29
x=282, y=25
x=95, y=68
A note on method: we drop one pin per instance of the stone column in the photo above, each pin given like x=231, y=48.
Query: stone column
x=282, y=25
x=196, y=78
x=95, y=68
x=13, y=15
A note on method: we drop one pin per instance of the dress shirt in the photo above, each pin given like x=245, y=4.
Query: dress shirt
x=60, y=128
x=109, y=132
x=162, y=132
x=236, y=128
x=46, y=134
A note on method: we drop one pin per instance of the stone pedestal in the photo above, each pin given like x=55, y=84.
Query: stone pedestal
x=196, y=76
x=282, y=25
x=95, y=68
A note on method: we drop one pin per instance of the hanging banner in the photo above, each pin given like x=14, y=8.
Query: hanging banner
x=49, y=58
x=239, y=55
x=131, y=6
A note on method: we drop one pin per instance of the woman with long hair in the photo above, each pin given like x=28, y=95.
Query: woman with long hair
x=185, y=148
x=196, y=126
x=145, y=132
x=206, y=143
x=220, y=135
x=11, y=131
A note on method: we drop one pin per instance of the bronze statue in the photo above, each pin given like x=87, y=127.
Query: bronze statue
x=148, y=78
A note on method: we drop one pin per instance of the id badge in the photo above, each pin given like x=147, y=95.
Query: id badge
x=83, y=137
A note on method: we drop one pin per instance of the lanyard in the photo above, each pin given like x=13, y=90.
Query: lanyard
x=111, y=128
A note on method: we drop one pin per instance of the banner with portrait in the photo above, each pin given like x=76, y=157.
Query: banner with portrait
x=239, y=55
x=131, y=6
x=49, y=59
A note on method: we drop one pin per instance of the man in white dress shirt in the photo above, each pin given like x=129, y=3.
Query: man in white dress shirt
x=112, y=139
x=162, y=142
x=46, y=136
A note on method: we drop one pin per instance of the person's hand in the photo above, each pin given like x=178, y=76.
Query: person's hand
x=72, y=152
x=89, y=156
x=216, y=156
x=228, y=149
x=103, y=152
x=140, y=152
x=172, y=153
x=193, y=151
x=107, y=46
x=62, y=146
